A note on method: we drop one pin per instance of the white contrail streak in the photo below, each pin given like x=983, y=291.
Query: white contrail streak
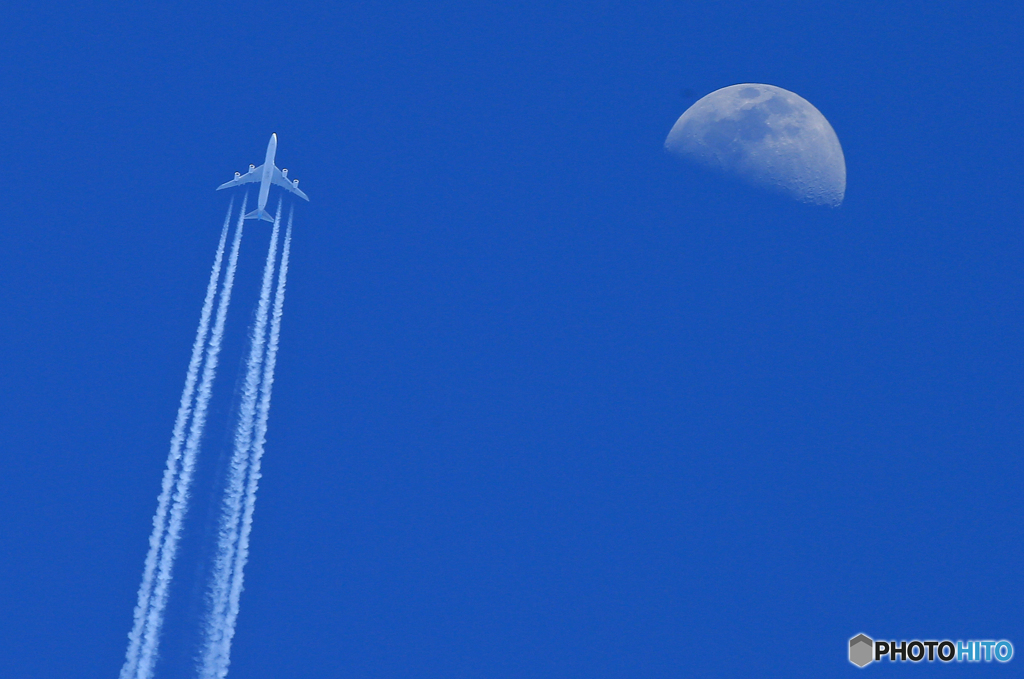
x=231, y=508
x=260, y=439
x=177, y=438
x=158, y=602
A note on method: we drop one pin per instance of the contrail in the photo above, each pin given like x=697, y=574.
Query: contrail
x=232, y=504
x=158, y=601
x=177, y=438
x=263, y=414
x=221, y=624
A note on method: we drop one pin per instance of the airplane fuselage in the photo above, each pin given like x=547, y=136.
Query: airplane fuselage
x=268, y=173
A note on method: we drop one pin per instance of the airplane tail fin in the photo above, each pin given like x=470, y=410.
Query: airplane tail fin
x=259, y=214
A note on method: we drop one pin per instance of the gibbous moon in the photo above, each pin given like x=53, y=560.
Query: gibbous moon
x=769, y=136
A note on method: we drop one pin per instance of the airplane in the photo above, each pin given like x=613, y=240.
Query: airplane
x=266, y=174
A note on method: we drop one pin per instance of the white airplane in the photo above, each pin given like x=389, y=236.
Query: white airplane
x=266, y=174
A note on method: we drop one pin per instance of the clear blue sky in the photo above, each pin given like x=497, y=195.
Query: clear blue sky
x=548, y=403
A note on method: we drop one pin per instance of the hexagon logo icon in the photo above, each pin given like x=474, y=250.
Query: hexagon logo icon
x=862, y=650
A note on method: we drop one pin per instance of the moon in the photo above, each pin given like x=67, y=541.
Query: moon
x=768, y=136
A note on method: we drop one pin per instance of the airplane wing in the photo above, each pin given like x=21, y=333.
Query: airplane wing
x=253, y=175
x=290, y=184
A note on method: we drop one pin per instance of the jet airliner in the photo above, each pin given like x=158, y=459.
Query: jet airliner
x=266, y=174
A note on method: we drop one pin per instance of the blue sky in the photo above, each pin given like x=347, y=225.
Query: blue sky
x=548, y=403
